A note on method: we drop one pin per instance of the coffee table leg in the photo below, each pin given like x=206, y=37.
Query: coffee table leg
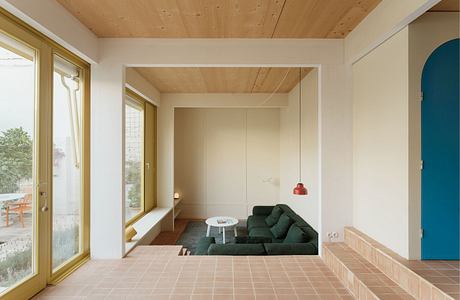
x=234, y=230
x=208, y=231
x=223, y=235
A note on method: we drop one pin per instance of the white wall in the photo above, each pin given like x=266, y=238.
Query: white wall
x=166, y=127
x=380, y=143
x=107, y=153
x=107, y=171
x=335, y=150
x=262, y=156
x=306, y=206
x=425, y=35
x=387, y=130
x=226, y=160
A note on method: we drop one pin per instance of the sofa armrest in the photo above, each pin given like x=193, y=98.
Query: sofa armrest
x=260, y=210
x=291, y=249
x=203, y=245
x=236, y=249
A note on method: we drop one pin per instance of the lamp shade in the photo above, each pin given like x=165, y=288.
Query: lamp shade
x=300, y=189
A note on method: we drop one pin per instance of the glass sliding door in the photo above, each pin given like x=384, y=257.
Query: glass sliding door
x=134, y=159
x=18, y=160
x=44, y=160
x=67, y=163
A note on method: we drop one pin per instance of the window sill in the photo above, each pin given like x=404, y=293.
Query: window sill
x=145, y=224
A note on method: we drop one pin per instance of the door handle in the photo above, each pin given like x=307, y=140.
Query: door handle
x=45, y=206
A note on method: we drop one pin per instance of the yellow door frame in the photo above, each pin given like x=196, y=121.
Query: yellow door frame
x=37, y=281
x=43, y=145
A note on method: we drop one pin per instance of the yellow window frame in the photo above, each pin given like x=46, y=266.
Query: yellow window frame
x=136, y=104
x=149, y=155
x=74, y=262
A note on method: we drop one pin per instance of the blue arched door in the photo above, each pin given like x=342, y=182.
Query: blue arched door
x=440, y=153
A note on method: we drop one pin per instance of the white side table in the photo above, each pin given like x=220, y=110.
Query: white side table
x=217, y=222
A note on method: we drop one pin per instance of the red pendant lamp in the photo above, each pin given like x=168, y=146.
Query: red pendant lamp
x=300, y=188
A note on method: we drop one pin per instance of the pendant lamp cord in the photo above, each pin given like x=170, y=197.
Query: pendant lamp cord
x=300, y=124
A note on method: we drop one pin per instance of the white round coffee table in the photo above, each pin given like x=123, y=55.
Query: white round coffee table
x=221, y=223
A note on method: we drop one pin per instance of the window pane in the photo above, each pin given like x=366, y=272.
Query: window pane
x=17, y=160
x=67, y=195
x=133, y=160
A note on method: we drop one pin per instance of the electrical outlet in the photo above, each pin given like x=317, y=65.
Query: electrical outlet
x=332, y=235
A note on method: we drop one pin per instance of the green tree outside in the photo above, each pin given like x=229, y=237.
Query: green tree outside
x=133, y=176
x=15, y=159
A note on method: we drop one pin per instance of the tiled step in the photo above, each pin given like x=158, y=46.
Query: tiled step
x=165, y=251
x=421, y=279
x=358, y=275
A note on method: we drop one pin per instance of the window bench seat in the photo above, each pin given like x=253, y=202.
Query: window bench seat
x=145, y=227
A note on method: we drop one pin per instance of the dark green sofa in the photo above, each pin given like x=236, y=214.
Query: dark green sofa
x=260, y=239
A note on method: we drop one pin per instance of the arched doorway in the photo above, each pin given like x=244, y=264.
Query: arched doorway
x=440, y=153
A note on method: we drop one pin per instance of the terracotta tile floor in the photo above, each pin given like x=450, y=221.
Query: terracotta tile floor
x=375, y=281
x=156, y=272
x=444, y=274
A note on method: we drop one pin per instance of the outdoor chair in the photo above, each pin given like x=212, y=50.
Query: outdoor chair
x=19, y=207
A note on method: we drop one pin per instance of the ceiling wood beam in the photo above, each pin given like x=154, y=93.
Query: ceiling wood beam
x=150, y=52
x=223, y=80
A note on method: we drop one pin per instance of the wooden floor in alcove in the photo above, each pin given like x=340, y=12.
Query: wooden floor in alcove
x=171, y=237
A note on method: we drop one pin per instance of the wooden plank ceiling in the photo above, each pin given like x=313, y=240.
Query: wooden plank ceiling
x=223, y=80
x=221, y=18
x=447, y=5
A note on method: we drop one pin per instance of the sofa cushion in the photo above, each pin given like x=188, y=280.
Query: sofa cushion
x=274, y=216
x=280, y=229
x=252, y=240
x=256, y=221
x=297, y=219
x=261, y=232
x=237, y=249
x=295, y=235
x=291, y=249
x=203, y=245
